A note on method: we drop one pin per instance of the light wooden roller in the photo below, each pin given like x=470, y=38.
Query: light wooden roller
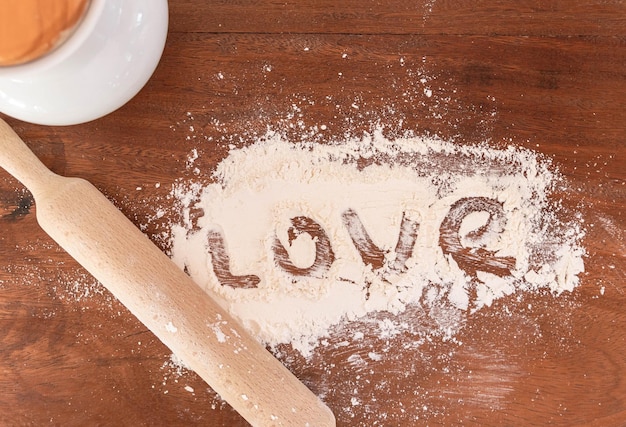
x=194, y=327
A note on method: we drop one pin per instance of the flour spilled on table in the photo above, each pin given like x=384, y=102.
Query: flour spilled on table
x=295, y=239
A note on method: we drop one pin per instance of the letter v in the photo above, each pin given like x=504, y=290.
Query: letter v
x=370, y=253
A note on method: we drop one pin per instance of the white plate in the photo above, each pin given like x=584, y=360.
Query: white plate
x=106, y=62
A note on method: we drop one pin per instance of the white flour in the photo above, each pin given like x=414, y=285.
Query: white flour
x=294, y=239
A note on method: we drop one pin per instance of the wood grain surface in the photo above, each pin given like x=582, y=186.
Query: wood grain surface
x=549, y=76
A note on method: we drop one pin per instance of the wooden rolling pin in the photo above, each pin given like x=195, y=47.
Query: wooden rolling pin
x=194, y=327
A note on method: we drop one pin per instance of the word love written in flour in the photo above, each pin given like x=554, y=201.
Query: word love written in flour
x=296, y=238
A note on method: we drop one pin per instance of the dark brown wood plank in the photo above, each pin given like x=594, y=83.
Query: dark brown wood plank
x=462, y=17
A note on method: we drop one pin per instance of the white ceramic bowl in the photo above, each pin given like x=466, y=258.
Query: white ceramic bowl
x=109, y=57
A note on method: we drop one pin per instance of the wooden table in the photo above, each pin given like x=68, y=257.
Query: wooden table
x=549, y=76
